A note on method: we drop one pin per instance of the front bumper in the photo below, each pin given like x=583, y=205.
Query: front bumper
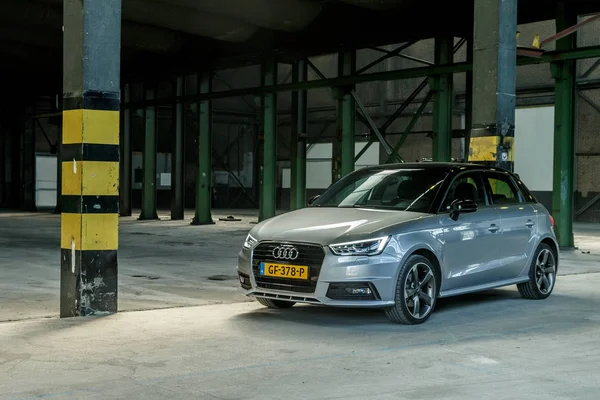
x=377, y=272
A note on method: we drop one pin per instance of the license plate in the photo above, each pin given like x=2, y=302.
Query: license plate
x=284, y=270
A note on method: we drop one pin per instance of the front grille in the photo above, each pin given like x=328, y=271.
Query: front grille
x=309, y=254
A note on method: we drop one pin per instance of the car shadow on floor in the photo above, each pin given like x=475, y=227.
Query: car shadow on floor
x=488, y=307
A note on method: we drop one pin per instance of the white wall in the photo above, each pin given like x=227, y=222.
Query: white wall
x=318, y=164
x=45, y=181
x=534, y=146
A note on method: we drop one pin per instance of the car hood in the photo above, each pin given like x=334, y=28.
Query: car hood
x=327, y=225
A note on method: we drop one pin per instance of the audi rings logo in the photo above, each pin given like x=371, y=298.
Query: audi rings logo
x=285, y=252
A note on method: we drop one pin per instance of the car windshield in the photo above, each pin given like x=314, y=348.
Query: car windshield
x=398, y=189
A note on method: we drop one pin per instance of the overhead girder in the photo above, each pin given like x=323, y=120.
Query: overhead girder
x=279, y=15
x=176, y=18
x=379, y=5
x=237, y=22
x=43, y=23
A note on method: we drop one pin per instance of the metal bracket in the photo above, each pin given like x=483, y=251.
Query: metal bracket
x=569, y=30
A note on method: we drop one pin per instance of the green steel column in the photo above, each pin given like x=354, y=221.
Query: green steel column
x=336, y=142
x=494, y=82
x=269, y=176
x=259, y=146
x=302, y=129
x=149, y=160
x=204, y=174
x=298, y=142
x=178, y=159
x=468, y=103
x=294, y=140
x=90, y=157
x=125, y=182
x=343, y=144
x=564, y=132
x=348, y=67
x=441, y=85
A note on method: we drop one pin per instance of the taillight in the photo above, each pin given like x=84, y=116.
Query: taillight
x=552, y=220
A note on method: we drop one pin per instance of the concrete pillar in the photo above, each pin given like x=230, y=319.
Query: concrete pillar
x=149, y=159
x=204, y=172
x=178, y=159
x=564, y=132
x=494, y=82
x=90, y=157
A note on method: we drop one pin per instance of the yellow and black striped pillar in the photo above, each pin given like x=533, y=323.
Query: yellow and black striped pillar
x=90, y=157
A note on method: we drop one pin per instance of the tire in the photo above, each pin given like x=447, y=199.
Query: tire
x=403, y=312
x=275, y=303
x=542, y=275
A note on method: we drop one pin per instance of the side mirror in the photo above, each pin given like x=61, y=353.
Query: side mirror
x=462, y=206
x=313, y=199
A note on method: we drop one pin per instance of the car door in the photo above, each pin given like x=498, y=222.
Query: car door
x=470, y=244
x=517, y=223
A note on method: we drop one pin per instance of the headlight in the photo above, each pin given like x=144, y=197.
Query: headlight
x=250, y=242
x=370, y=247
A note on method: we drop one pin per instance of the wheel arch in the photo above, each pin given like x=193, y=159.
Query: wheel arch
x=548, y=241
x=430, y=255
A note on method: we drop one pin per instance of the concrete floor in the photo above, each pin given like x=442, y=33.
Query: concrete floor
x=492, y=345
x=488, y=346
x=161, y=263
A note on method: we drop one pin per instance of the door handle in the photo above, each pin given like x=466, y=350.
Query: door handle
x=493, y=228
x=529, y=223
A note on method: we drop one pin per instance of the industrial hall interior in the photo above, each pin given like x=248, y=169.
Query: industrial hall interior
x=142, y=140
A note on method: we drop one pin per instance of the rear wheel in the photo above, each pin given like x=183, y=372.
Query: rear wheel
x=542, y=275
x=416, y=292
x=270, y=303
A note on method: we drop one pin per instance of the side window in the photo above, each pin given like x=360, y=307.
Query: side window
x=529, y=198
x=465, y=187
x=504, y=192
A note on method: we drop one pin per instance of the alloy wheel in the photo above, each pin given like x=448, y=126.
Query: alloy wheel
x=545, y=271
x=419, y=290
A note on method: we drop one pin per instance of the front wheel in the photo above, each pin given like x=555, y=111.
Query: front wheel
x=275, y=303
x=416, y=292
x=542, y=275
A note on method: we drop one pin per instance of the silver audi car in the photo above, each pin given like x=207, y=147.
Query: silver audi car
x=400, y=236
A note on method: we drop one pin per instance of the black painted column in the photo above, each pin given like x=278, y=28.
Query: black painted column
x=90, y=157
